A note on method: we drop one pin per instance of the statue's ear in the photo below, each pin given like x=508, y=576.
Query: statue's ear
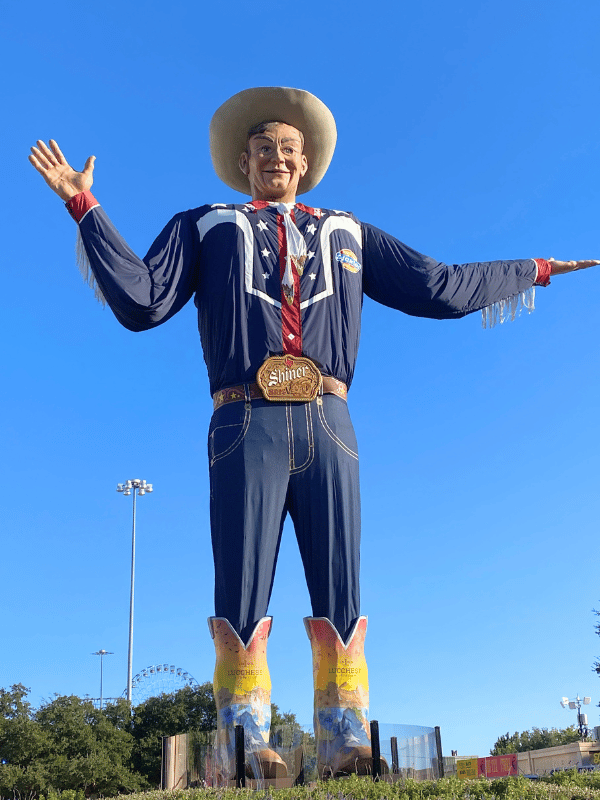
x=243, y=162
x=304, y=167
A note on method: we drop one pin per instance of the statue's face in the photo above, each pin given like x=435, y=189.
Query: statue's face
x=274, y=163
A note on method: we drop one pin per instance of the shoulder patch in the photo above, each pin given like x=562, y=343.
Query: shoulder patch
x=348, y=260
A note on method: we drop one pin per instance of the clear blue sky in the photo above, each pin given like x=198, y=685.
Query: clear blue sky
x=470, y=131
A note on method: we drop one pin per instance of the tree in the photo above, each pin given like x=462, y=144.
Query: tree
x=536, y=739
x=21, y=744
x=279, y=720
x=286, y=731
x=66, y=744
x=88, y=748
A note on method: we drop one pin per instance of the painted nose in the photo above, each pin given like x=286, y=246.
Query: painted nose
x=278, y=155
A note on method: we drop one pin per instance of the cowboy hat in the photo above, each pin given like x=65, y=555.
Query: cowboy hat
x=232, y=121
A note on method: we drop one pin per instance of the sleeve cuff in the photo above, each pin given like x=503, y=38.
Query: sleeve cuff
x=80, y=204
x=544, y=269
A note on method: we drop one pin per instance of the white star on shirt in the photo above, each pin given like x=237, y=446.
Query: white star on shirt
x=265, y=252
x=262, y=225
x=265, y=275
x=312, y=276
x=310, y=254
x=249, y=208
x=311, y=228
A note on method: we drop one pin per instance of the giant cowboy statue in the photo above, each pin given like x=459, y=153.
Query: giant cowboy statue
x=279, y=286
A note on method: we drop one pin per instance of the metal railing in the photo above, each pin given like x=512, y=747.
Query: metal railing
x=203, y=759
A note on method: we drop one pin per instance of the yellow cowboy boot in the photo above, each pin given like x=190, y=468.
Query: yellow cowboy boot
x=242, y=688
x=341, y=699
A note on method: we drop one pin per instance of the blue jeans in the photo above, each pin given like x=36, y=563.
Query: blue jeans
x=267, y=459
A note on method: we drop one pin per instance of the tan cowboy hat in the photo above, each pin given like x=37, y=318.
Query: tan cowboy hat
x=232, y=121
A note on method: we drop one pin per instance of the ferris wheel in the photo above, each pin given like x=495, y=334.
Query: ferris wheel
x=159, y=679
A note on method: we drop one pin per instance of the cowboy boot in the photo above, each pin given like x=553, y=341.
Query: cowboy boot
x=341, y=699
x=242, y=689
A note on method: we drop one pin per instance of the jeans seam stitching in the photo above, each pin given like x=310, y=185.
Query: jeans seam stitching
x=236, y=443
x=311, y=448
x=333, y=437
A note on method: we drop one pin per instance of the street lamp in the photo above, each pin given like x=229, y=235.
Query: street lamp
x=137, y=487
x=102, y=653
x=582, y=719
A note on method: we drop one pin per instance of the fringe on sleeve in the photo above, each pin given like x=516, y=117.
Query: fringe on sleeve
x=508, y=309
x=83, y=263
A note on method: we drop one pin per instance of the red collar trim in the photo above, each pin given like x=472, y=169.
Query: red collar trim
x=309, y=210
x=258, y=204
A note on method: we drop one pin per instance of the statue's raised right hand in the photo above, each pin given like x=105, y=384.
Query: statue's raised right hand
x=58, y=174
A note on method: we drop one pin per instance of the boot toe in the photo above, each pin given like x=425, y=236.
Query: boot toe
x=353, y=761
x=271, y=764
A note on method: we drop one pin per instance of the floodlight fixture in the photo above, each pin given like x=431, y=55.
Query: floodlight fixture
x=138, y=487
x=582, y=719
x=102, y=653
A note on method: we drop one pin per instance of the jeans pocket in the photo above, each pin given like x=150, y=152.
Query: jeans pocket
x=227, y=430
x=336, y=422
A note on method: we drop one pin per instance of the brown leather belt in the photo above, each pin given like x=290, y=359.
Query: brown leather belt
x=234, y=394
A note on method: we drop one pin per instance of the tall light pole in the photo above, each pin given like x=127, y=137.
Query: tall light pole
x=102, y=653
x=137, y=487
x=582, y=719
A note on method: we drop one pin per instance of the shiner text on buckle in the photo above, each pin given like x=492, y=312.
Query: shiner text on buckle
x=289, y=379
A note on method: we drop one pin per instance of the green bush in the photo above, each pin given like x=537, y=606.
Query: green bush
x=570, y=786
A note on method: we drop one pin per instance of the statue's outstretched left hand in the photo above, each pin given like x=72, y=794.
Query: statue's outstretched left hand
x=561, y=267
x=56, y=171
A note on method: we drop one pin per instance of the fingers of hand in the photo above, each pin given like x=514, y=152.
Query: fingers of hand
x=40, y=156
x=48, y=153
x=49, y=156
x=34, y=161
x=586, y=264
x=57, y=152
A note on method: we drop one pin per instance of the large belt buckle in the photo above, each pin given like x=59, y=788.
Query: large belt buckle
x=286, y=379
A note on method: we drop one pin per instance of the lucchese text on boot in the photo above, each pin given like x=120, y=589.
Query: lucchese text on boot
x=344, y=671
x=244, y=672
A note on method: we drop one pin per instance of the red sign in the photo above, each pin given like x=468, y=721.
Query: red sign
x=497, y=766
